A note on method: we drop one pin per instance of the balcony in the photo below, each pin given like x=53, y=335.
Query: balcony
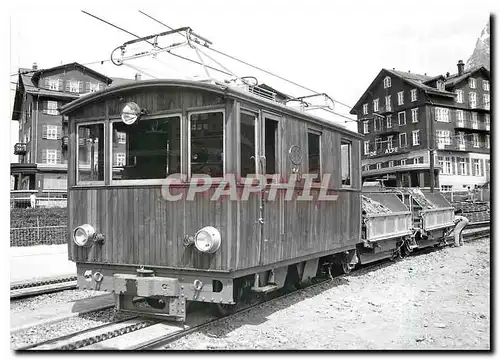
x=466, y=145
x=20, y=149
x=387, y=131
x=388, y=151
x=472, y=125
x=382, y=110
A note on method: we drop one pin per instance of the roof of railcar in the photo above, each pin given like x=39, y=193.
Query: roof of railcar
x=217, y=88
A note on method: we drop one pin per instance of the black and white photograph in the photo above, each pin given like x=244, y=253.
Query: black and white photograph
x=249, y=175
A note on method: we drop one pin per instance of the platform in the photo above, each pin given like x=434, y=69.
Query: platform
x=36, y=262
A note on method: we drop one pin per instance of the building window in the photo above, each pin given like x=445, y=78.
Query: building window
x=415, y=134
x=346, y=163
x=51, y=157
x=52, y=132
x=388, y=103
x=414, y=115
x=475, y=140
x=375, y=105
x=446, y=188
x=366, y=129
x=391, y=163
x=390, y=140
x=486, y=101
x=387, y=82
x=378, y=144
x=475, y=123
x=472, y=100
x=376, y=124
x=74, y=86
x=447, y=165
x=486, y=85
x=402, y=118
x=476, y=167
x=366, y=167
x=487, y=121
x=389, y=121
x=472, y=83
x=92, y=87
x=379, y=165
x=462, y=169
x=402, y=140
x=52, y=108
x=365, y=109
x=367, y=147
x=413, y=94
x=461, y=140
x=487, y=141
x=403, y=162
x=119, y=159
x=440, y=85
x=460, y=96
x=442, y=114
x=53, y=84
x=121, y=137
x=460, y=117
x=400, y=98
x=443, y=138
x=418, y=160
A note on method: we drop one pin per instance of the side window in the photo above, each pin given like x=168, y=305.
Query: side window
x=147, y=149
x=90, y=153
x=247, y=144
x=313, y=151
x=271, y=145
x=346, y=163
x=207, y=143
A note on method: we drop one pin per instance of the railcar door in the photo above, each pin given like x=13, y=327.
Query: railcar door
x=272, y=224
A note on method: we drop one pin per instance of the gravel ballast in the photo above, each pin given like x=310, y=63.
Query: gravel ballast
x=34, y=302
x=437, y=300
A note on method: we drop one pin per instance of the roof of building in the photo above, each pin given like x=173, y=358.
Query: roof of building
x=414, y=79
x=454, y=79
x=70, y=66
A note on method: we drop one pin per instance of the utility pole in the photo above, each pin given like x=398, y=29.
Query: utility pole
x=432, y=144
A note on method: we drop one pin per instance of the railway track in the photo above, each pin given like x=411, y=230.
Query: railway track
x=137, y=333
x=42, y=286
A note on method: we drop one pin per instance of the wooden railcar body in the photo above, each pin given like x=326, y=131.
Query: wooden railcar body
x=143, y=230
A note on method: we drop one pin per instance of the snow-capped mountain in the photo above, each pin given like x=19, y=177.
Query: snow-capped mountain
x=481, y=53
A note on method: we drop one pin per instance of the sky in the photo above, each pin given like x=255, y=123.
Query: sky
x=336, y=47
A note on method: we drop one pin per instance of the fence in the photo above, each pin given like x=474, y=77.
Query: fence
x=38, y=235
x=472, y=195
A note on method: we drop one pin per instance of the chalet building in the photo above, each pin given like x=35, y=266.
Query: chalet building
x=405, y=115
x=42, y=146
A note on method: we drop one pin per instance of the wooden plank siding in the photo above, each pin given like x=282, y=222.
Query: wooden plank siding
x=142, y=228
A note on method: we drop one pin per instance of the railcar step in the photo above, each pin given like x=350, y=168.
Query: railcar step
x=265, y=289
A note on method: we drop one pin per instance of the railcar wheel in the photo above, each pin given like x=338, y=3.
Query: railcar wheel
x=222, y=310
x=346, y=267
x=156, y=303
x=407, y=249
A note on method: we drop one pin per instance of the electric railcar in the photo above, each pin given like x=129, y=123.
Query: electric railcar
x=133, y=233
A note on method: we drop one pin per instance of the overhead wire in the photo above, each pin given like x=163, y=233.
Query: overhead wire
x=248, y=64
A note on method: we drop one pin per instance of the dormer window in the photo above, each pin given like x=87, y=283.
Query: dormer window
x=52, y=84
x=440, y=85
x=387, y=82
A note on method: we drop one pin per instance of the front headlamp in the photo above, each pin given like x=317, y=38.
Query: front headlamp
x=207, y=239
x=84, y=235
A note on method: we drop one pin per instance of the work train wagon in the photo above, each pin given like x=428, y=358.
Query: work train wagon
x=132, y=234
